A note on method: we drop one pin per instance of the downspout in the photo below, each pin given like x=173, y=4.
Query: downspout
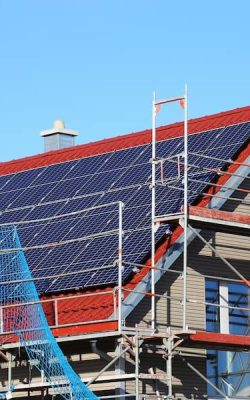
x=96, y=350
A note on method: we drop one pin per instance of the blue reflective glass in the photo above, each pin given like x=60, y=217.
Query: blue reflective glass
x=229, y=371
x=212, y=312
x=238, y=296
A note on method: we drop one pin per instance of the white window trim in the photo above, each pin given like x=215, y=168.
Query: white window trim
x=224, y=311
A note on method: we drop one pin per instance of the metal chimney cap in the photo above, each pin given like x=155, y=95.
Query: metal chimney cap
x=59, y=127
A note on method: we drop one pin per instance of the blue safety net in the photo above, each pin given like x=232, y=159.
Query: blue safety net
x=22, y=315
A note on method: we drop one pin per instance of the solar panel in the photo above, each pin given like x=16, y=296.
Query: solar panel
x=83, y=247
x=4, y=179
x=88, y=166
x=19, y=181
x=54, y=173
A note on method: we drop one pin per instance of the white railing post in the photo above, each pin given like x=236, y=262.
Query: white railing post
x=120, y=266
x=1, y=320
x=153, y=161
x=56, y=312
x=185, y=209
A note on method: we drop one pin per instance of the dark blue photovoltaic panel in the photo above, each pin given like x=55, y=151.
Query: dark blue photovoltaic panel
x=169, y=147
x=20, y=181
x=13, y=216
x=88, y=166
x=81, y=203
x=44, y=211
x=4, y=179
x=122, y=175
x=201, y=142
x=55, y=173
x=27, y=196
x=118, y=195
x=5, y=199
x=134, y=176
x=238, y=133
x=123, y=158
x=99, y=182
x=65, y=189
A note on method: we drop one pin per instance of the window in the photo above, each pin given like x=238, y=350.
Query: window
x=238, y=319
x=229, y=371
x=212, y=312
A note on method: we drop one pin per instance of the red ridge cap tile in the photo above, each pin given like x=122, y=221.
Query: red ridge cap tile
x=196, y=125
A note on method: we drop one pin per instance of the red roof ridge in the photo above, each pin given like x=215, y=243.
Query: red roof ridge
x=196, y=125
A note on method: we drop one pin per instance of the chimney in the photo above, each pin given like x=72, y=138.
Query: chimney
x=58, y=137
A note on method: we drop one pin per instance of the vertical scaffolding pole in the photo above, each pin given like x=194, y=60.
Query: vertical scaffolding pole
x=137, y=361
x=153, y=214
x=169, y=366
x=1, y=320
x=120, y=369
x=185, y=208
x=120, y=267
x=10, y=371
x=155, y=108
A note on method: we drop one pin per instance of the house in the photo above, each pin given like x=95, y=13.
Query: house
x=76, y=208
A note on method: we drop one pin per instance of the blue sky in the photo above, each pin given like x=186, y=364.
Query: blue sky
x=95, y=63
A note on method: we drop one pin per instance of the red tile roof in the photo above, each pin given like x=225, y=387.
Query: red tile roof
x=196, y=125
x=72, y=311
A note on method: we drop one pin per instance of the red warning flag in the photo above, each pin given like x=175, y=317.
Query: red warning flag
x=182, y=103
x=157, y=108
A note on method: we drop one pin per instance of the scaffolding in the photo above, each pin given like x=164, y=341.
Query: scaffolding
x=182, y=342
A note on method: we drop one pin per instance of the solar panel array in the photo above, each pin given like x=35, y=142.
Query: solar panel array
x=88, y=239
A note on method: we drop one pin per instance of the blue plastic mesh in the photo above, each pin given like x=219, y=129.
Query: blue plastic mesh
x=28, y=321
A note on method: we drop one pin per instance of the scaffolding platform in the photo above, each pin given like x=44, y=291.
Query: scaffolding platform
x=211, y=219
x=222, y=221
x=217, y=341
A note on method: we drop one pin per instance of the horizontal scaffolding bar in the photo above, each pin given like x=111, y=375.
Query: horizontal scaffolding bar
x=205, y=194
x=56, y=276
x=174, y=271
x=60, y=243
x=171, y=100
x=229, y=161
x=60, y=216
